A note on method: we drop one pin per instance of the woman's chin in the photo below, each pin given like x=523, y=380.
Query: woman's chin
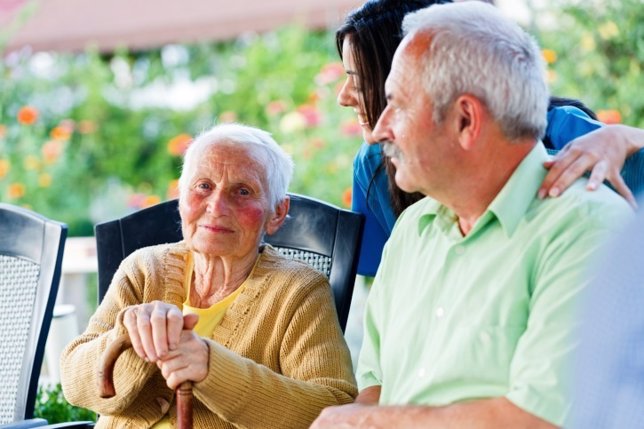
x=367, y=135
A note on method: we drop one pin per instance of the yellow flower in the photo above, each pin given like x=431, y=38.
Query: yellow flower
x=61, y=133
x=549, y=55
x=27, y=115
x=151, y=200
x=5, y=166
x=31, y=162
x=44, y=180
x=608, y=30
x=16, y=190
x=587, y=43
x=292, y=122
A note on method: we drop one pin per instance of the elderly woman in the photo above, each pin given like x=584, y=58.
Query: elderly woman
x=255, y=333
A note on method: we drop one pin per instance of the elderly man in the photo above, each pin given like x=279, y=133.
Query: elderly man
x=470, y=318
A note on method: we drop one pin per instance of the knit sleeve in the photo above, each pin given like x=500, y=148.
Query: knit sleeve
x=80, y=359
x=315, y=371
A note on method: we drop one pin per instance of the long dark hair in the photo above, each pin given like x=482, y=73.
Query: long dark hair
x=375, y=32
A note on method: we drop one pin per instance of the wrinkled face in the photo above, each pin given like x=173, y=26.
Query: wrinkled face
x=225, y=206
x=350, y=94
x=417, y=146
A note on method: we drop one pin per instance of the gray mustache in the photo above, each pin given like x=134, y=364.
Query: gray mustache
x=391, y=151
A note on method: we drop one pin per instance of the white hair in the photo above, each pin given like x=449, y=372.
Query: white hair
x=279, y=167
x=474, y=49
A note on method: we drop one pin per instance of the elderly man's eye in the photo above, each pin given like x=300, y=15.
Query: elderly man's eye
x=204, y=186
x=244, y=191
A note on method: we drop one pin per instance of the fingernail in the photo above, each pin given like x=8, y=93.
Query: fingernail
x=541, y=194
x=554, y=192
x=592, y=186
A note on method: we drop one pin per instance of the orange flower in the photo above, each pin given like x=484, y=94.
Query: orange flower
x=609, y=116
x=151, y=200
x=16, y=190
x=60, y=133
x=3, y=131
x=51, y=151
x=346, y=197
x=44, y=180
x=173, y=189
x=177, y=145
x=27, y=115
x=549, y=55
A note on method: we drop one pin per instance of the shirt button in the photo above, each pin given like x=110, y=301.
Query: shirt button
x=459, y=250
x=440, y=312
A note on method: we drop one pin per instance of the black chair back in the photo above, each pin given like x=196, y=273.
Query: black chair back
x=31, y=254
x=315, y=232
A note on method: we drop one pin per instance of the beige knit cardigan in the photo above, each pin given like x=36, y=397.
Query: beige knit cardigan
x=277, y=358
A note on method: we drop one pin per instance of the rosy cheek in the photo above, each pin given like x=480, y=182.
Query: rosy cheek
x=250, y=215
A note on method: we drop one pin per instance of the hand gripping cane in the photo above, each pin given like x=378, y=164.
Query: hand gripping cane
x=106, y=381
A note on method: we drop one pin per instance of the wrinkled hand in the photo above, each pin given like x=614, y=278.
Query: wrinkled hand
x=161, y=334
x=602, y=152
x=344, y=417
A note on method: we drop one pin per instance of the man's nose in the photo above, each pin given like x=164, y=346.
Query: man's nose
x=382, y=131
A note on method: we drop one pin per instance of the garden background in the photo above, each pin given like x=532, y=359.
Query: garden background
x=88, y=137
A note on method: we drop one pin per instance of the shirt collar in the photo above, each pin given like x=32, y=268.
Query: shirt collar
x=511, y=203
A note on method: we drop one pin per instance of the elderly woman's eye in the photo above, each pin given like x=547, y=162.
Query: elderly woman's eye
x=204, y=186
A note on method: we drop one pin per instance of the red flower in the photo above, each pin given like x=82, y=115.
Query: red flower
x=609, y=116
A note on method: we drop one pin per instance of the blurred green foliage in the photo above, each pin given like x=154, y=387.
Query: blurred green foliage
x=52, y=406
x=599, y=49
x=86, y=138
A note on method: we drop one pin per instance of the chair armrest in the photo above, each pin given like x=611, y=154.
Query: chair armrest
x=24, y=424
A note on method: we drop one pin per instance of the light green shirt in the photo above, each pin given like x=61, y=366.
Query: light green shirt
x=453, y=318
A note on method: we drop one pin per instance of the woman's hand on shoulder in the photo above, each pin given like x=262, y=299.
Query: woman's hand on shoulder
x=602, y=152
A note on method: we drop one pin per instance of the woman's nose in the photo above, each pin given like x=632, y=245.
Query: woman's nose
x=217, y=202
x=347, y=95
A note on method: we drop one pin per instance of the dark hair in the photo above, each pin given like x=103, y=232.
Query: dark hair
x=375, y=31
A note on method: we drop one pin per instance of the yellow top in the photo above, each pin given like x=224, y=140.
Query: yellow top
x=209, y=318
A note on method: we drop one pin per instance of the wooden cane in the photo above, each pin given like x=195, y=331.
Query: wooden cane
x=106, y=381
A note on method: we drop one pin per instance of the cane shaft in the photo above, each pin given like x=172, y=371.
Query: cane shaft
x=184, y=405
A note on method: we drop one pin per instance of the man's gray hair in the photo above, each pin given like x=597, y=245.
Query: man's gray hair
x=475, y=50
x=278, y=168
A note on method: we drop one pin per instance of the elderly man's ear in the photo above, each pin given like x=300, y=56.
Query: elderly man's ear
x=468, y=115
x=279, y=215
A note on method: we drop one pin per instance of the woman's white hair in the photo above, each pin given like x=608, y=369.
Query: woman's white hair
x=278, y=168
x=474, y=49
